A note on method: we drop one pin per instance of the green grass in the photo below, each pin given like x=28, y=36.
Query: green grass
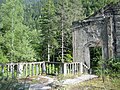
x=97, y=84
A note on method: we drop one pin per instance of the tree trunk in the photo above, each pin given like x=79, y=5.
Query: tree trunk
x=62, y=27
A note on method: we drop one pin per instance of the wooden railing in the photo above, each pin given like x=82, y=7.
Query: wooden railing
x=37, y=68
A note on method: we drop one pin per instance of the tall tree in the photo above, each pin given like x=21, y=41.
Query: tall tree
x=32, y=11
x=15, y=33
x=47, y=24
x=67, y=12
x=90, y=6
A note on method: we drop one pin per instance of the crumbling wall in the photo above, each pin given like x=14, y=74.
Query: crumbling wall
x=89, y=34
x=100, y=29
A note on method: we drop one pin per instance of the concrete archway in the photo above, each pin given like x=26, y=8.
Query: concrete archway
x=86, y=51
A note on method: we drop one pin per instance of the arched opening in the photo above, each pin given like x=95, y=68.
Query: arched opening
x=92, y=55
x=95, y=58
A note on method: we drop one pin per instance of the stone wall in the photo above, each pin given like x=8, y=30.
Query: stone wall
x=101, y=29
x=91, y=34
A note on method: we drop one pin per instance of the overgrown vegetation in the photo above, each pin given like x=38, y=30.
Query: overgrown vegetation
x=111, y=66
x=107, y=70
x=13, y=84
x=39, y=30
x=97, y=84
x=31, y=30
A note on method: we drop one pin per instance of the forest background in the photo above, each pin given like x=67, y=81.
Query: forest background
x=41, y=30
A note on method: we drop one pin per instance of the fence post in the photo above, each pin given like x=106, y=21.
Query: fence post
x=37, y=69
x=43, y=68
x=13, y=76
x=2, y=65
x=20, y=69
x=81, y=68
x=64, y=68
x=7, y=70
x=29, y=66
x=26, y=69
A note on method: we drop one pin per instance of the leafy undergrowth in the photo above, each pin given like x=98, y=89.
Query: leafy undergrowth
x=7, y=84
x=96, y=84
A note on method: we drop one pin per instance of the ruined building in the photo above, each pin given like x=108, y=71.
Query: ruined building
x=101, y=29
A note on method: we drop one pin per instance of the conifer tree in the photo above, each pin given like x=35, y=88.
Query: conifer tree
x=47, y=25
x=67, y=12
x=16, y=34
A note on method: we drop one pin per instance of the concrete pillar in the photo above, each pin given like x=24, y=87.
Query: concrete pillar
x=20, y=70
x=65, y=69
x=26, y=69
x=81, y=68
x=43, y=68
x=104, y=35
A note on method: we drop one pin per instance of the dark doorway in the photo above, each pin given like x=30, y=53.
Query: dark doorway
x=95, y=57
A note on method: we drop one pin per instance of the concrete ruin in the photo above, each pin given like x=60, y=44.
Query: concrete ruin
x=100, y=29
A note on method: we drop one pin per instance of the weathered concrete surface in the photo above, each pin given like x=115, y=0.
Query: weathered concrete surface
x=100, y=29
x=53, y=83
x=78, y=79
x=42, y=86
x=39, y=87
x=90, y=35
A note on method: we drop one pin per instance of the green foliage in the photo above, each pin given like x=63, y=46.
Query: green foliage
x=3, y=58
x=113, y=67
x=90, y=6
x=96, y=84
x=68, y=58
x=16, y=42
x=48, y=29
x=67, y=11
x=13, y=84
x=26, y=28
x=110, y=67
x=95, y=58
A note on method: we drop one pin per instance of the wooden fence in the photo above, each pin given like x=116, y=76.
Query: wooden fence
x=37, y=68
